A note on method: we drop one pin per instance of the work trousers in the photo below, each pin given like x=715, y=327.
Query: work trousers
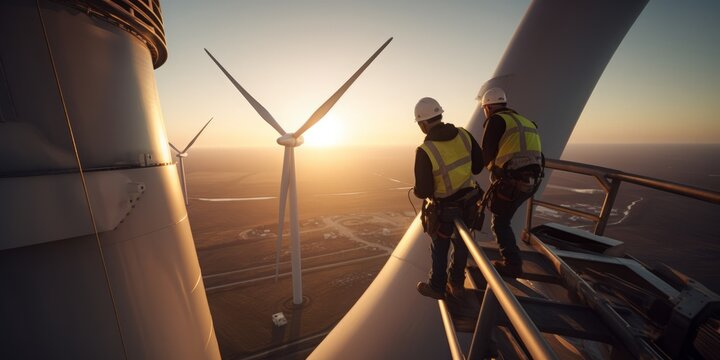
x=439, y=272
x=502, y=214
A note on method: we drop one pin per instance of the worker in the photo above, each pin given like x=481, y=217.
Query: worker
x=512, y=152
x=444, y=165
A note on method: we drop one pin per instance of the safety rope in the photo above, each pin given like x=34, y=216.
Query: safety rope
x=481, y=208
x=82, y=177
x=411, y=203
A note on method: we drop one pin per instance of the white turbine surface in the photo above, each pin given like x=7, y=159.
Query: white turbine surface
x=288, y=187
x=181, y=155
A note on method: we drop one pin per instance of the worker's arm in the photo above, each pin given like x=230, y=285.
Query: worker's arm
x=494, y=129
x=424, y=182
x=476, y=155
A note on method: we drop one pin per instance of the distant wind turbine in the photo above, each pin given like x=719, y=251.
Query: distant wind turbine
x=287, y=183
x=181, y=155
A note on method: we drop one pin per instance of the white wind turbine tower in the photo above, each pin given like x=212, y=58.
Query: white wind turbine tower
x=287, y=184
x=181, y=155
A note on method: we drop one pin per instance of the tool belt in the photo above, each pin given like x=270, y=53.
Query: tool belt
x=510, y=185
x=438, y=216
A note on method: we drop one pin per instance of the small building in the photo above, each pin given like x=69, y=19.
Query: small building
x=279, y=319
x=386, y=232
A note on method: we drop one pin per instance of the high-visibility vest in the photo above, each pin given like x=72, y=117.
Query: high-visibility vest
x=519, y=146
x=451, y=163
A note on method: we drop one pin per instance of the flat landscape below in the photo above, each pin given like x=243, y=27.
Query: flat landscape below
x=354, y=207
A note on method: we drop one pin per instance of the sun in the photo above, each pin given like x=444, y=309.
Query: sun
x=327, y=132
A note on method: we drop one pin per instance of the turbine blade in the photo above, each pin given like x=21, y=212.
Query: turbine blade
x=196, y=136
x=256, y=105
x=325, y=107
x=174, y=148
x=281, y=217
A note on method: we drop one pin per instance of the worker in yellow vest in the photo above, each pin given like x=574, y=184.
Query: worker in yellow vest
x=444, y=165
x=512, y=152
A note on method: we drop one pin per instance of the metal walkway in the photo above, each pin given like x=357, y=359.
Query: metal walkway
x=580, y=294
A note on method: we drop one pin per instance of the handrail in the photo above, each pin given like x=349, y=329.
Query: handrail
x=453, y=342
x=610, y=180
x=668, y=186
x=497, y=292
x=658, y=184
x=526, y=329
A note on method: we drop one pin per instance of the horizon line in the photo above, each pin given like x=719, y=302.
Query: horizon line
x=274, y=146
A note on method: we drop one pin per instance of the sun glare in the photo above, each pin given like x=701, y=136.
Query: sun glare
x=327, y=132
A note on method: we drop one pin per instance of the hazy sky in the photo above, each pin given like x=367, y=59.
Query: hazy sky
x=663, y=84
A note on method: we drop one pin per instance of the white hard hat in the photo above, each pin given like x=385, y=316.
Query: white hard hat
x=426, y=109
x=493, y=96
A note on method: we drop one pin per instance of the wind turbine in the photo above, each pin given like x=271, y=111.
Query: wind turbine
x=288, y=187
x=181, y=155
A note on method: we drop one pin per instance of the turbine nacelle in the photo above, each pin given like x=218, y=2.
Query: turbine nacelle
x=289, y=140
x=182, y=155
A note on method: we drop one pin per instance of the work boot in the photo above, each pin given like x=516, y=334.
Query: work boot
x=509, y=268
x=426, y=290
x=456, y=290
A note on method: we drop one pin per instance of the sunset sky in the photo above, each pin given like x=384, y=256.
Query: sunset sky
x=663, y=84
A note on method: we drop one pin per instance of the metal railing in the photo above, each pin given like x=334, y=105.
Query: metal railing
x=610, y=180
x=455, y=349
x=497, y=297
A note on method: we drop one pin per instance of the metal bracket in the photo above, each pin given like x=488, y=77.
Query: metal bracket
x=58, y=203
